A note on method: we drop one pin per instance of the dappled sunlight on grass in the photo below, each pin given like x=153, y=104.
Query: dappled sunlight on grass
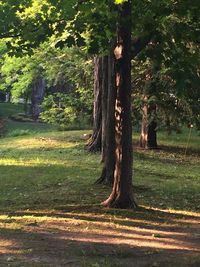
x=95, y=231
x=35, y=162
x=181, y=212
x=48, y=200
x=39, y=143
x=56, y=163
x=13, y=162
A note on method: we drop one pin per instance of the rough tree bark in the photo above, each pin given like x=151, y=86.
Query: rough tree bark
x=94, y=143
x=148, y=136
x=105, y=104
x=98, y=142
x=108, y=121
x=37, y=97
x=122, y=191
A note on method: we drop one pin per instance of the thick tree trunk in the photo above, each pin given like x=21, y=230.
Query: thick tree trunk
x=37, y=97
x=148, y=136
x=122, y=192
x=94, y=144
x=108, y=119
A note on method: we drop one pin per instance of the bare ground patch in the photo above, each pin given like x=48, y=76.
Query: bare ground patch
x=95, y=237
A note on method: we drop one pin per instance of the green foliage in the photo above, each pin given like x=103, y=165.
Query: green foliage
x=176, y=106
x=19, y=73
x=58, y=110
x=62, y=110
x=172, y=29
x=120, y=1
x=68, y=71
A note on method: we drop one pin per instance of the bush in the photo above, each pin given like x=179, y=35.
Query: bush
x=64, y=111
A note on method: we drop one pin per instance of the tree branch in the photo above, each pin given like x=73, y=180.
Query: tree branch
x=138, y=44
x=9, y=35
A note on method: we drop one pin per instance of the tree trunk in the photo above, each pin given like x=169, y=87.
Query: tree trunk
x=26, y=110
x=37, y=97
x=144, y=126
x=152, y=135
x=94, y=144
x=122, y=191
x=148, y=136
x=108, y=119
x=105, y=104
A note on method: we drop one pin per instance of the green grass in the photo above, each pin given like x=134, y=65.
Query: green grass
x=180, y=140
x=56, y=163
x=47, y=184
x=8, y=109
x=16, y=128
x=36, y=160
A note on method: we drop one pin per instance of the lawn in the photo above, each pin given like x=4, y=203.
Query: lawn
x=50, y=212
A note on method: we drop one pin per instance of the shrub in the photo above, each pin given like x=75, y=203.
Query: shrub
x=63, y=110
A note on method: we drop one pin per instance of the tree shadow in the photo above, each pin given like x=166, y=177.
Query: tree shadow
x=63, y=240
x=180, y=150
x=74, y=232
x=173, y=154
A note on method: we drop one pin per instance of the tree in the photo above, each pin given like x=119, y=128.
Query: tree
x=68, y=100
x=108, y=120
x=24, y=77
x=146, y=95
x=148, y=136
x=95, y=142
x=163, y=40
x=37, y=96
x=122, y=192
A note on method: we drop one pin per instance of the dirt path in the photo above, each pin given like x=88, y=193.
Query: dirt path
x=93, y=238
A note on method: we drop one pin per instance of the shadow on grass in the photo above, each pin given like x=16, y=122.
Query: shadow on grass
x=180, y=150
x=142, y=217
x=85, y=239
x=56, y=185
x=169, y=154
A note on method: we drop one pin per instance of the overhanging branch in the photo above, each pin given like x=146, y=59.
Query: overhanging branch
x=138, y=44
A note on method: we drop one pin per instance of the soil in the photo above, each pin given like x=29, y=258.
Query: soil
x=98, y=237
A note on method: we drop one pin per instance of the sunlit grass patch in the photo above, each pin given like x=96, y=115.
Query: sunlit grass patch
x=46, y=171
x=55, y=164
x=50, y=208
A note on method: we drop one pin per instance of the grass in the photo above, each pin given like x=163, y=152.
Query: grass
x=8, y=109
x=56, y=162
x=16, y=128
x=51, y=164
x=49, y=206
